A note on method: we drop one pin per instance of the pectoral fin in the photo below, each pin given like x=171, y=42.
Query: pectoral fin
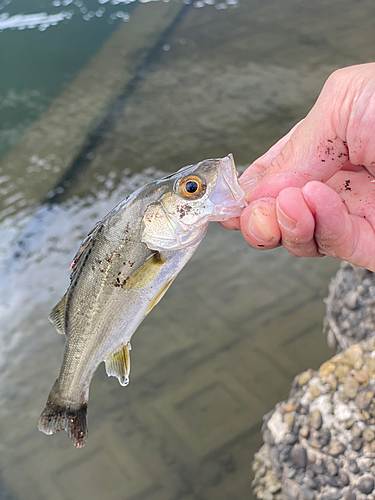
x=57, y=316
x=118, y=364
x=160, y=295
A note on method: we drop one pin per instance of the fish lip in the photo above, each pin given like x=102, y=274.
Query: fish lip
x=232, y=181
x=227, y=196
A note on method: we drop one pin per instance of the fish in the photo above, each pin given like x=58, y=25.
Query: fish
x=121, y=271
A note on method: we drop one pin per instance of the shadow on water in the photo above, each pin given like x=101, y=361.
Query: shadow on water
x=224, y=344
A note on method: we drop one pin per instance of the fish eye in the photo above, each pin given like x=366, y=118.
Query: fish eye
x=191, y=187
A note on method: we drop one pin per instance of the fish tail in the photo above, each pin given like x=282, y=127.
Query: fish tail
x=58, y=416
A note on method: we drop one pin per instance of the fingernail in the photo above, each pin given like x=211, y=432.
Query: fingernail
x=284, y=220
x=258, y=228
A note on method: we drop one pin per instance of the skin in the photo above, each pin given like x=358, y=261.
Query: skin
x=313, y=192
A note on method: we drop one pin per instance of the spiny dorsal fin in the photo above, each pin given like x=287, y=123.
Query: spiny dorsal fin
x=57, y=316
x=85, y=243
x=118, y=364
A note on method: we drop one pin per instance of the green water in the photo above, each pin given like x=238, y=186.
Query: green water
x=36, y=65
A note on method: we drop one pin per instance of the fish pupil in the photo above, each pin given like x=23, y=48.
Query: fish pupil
x=191, y=187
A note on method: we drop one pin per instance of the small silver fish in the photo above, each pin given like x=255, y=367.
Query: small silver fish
x=121, y=271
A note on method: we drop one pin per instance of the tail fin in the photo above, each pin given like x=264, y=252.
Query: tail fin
x=57, y=417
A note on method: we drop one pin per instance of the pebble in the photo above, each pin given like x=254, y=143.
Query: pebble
x=290, y=438
x=356, y=432
x=299, y=456
x=366, y=484
x=305, y=377
x=326, y=369
x=321, y=438
x=351, y=300
x=368, y=435
x=349, y=424
x=316, y=419
x=357, y=444
x=331, y=468
x=350, y=495
x=353, y=354
x=290, y=492
x=361, y=377
x=285, y=454
x=353, y=466
x=332, y=496
x=314, y=391
x=332, y=381
x=268, y=437
x=350, y=387
x=289, y=419
x=363, y=399
x=289, y=407
x=342, y=371
x=312, y=483
x=336, y=448
x=307, y=494
x=304, y=432
x=343, y=479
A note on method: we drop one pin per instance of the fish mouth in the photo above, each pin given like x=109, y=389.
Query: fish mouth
x=227, y=197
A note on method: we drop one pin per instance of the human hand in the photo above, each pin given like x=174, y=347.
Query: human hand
x=314, y=191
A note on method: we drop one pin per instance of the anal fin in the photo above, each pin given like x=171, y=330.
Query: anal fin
x=118, y=364
x=57, y=316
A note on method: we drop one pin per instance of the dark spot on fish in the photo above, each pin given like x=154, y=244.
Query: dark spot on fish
x=118, y=280
x=131, y=264
x=323, y=161
x=102, y=270
x=183, y=210
x=329, y=140
x=347, y=188
x=119, y=273
x=364, y=217
x=93, y=267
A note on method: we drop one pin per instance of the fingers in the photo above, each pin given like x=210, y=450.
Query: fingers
x=259, y=224
x=312, y=222
x=338, y=233
x=297, y=224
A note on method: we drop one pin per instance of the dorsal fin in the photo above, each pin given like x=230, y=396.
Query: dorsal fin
x=118, y=364
x=57, y=316
x=85, y=243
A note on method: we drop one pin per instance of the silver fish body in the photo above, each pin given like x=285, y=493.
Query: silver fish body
x=122, y=270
